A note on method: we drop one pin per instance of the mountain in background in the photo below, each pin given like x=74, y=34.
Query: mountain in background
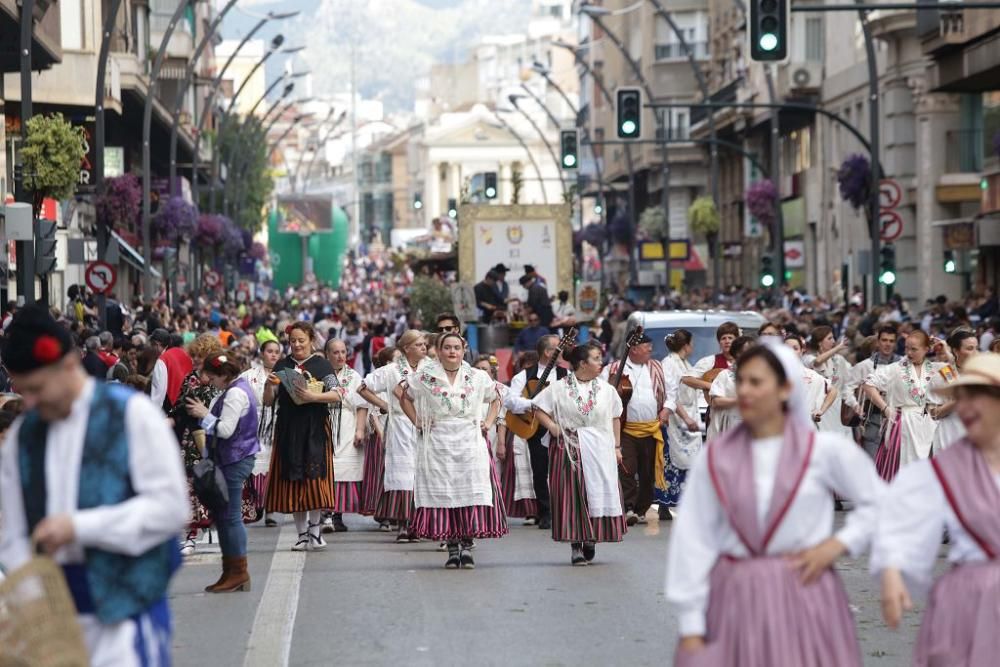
x=395, y=41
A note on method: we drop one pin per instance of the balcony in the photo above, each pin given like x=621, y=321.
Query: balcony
x=673, y=51
x=181, y=41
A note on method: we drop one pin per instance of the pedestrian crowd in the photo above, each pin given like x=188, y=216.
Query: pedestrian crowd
x=319, y=403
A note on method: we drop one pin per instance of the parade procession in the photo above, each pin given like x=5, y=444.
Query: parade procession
x=543, y=332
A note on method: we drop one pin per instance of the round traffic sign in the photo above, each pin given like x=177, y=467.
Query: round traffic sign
x=889, y=194
x=891, y=226
x=100, y=277
x=212, y=279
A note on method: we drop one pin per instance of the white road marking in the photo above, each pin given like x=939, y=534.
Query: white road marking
x=271, y=638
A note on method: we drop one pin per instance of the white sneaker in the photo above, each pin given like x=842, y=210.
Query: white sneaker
x=187, y=549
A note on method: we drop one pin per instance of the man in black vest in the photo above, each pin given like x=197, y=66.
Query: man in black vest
x=547, y=348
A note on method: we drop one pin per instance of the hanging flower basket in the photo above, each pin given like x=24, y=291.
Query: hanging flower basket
x=652, y=222
x=761, y=200
x=118, y=204
x=258, y=251
x=210, y=229
x=622, y=232
x=176, y=219
x=703, y=216
x=854, y=178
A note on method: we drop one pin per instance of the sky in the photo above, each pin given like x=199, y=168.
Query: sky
x=394, y=41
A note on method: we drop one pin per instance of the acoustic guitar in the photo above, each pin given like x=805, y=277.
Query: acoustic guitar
x=621, y=382
x=709, y=377
x=525, y=426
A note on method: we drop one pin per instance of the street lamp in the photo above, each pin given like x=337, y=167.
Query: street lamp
x=514, y=97
x=527, y=151
x=322, y=143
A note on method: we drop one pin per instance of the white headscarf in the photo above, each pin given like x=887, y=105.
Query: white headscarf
x=798, y=407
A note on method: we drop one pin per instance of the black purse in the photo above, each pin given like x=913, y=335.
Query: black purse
x=207, y=480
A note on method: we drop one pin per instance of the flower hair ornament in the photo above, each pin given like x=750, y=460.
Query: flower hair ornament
x=47, y=349
x=219, y=360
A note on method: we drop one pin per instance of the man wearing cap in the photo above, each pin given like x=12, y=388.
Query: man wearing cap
x=487, y=298
x=642, y=439
x=172, y=366
x=538, y=298
x=90, y=475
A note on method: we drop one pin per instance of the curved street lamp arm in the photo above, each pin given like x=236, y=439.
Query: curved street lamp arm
x=524, y=146
x=548, y=146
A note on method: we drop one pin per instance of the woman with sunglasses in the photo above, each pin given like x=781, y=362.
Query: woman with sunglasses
x=751, y=554
x=456, y=491
x=958, y=491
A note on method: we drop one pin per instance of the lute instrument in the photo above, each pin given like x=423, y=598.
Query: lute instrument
x=709, y=377
x=525, y=426
x=621, y=382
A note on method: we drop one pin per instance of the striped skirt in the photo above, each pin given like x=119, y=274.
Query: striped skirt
x=571, y=520
x=450, y=524
x=374, y=476
x=303, y=495
x=887, y=456
x=516, y=509
x=347, y=497
x=395, y=506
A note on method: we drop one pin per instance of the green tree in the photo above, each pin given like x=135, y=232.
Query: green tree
x=430, y=297
x=52, y=156
x=516, y=183
x=651, y=222
x=703, y=216
x=243, y=148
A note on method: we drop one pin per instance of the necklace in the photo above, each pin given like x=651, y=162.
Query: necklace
x=917, y=389
x=584, y=406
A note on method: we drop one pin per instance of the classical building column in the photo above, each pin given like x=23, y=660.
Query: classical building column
x=432, y=185
x=454, y=181
x=936, y=113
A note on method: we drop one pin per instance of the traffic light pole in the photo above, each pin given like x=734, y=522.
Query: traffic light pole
x=548, y=146
x=25, y=250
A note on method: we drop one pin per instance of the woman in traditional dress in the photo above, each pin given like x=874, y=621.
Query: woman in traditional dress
x=957, y=490
x=516, y=483
x=583, y=414
x=723, y=412
x=908, y=427
x=826, y=359
x=396, y=503
x=300, y=481
x=684, y=437
x=749, y=565
x=456, y=491
x=348, y=449
x=371, y=424
x=961, y=345
x=256, y=376
x=819, y=394
x=185, y=426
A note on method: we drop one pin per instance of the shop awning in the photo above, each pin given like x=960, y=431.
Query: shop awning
x=131, y=256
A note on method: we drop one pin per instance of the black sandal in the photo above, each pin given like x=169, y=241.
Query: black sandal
x=303, y=543
x=576, y=555
x=466, y=560
x=589, y=550
x=454, y=557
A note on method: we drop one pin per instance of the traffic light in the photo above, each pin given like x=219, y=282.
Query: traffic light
x=418, y=202
x=887, y=267
x=453, y=208
x=569, y=143
x=45, y=247
x=766, y=271
x=629, y=113
x=490, y=184
x=950, y=266
x=768, y=31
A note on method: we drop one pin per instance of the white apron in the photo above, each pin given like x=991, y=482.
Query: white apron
x=400, y=435
x=910, y=395
x=684, y=445
x=453, y=463
x=348, y=460
x=595, y=435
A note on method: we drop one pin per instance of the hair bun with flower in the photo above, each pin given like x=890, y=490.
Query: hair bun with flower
x=47, y=349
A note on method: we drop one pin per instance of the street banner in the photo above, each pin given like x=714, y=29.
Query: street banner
x=588, y=300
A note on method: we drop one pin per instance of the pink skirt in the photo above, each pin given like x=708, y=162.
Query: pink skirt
x=395, y=506
x=962, y=617
x=760, y=615
x=887, y=455
x=516, y=509
x=347, y=497
x=571, y=520
x=373, y=483
x=449, y=524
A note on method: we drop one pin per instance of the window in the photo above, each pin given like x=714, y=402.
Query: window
x=679, y=124
x=814, y=40
x=693, y=27
x=71, y=13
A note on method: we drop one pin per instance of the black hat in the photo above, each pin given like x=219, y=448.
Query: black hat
x=34, y=340
x=161, y=336
x=644, y=338
x=528, y=269
x=525, y=279
x=500, y=268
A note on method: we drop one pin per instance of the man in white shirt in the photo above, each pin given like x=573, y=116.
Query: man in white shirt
x=547, y=348
x=641, y=437
x=172, y=366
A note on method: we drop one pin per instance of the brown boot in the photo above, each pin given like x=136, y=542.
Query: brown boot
x=236, y=578
x=227, y=565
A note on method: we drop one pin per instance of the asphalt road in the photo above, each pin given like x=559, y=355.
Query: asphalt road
x=368, y=601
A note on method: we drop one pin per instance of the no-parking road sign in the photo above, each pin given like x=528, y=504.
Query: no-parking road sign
x=100, y=277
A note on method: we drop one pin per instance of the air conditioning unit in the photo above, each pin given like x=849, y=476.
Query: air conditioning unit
x=805, y=76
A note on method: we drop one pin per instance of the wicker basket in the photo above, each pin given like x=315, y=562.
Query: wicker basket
x=38, y=626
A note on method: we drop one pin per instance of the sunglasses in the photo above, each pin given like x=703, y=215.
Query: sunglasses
x=448, y=329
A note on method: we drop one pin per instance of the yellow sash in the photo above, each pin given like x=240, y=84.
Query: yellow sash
x=650, y=429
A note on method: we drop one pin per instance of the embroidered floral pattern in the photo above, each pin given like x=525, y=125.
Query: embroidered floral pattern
x=584, y=406
x=916, y=389
x=449, y=395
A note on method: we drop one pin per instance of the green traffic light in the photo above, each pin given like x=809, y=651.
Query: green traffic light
x=628, y=127
x=768, y=41
x=491, y=193
x=887, y=278
x=949, y=266
x=767, y=280
x=569, y=160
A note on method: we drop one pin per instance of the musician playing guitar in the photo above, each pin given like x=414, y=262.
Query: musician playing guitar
x=707, y=368
x=547, y=348
x=641, y=438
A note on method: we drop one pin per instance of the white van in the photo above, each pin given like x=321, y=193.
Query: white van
x=701, y=323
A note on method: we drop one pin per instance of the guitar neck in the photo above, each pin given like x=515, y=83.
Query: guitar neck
x=544, y=376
